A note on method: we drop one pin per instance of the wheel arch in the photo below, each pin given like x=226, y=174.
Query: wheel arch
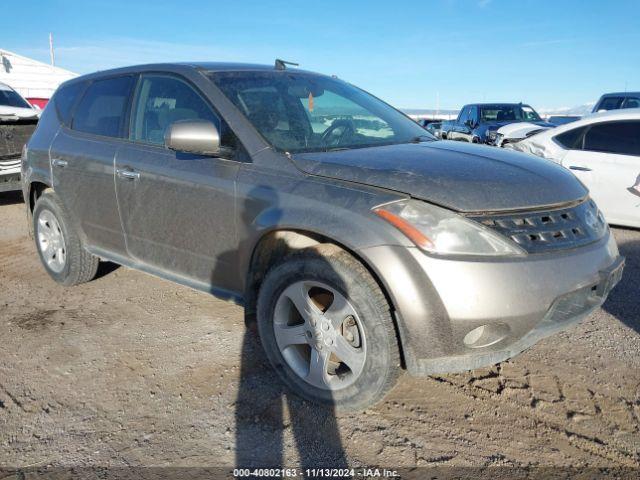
x=276, y=244
x=33, y=191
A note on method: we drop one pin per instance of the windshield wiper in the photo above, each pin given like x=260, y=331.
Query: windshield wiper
x=336, y=149
x=419, y=138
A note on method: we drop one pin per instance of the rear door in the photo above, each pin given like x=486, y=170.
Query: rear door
x=82, y=160
x=609, y=162
x=178, y=209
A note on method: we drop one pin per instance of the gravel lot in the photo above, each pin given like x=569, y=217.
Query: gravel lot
x=133, y=370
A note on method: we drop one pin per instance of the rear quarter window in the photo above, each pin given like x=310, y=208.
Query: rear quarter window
x=571, y=139
x=64, y=100
x=103, y=107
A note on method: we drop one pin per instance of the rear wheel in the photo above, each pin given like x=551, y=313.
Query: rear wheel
x=327, y=329
x=59, y=247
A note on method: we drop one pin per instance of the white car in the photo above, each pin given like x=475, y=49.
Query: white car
x=17, y=122
x=514, y=132
x=13, y=107
x=603, y=151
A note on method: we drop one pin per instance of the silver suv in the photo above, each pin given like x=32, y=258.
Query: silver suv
x=358, y=243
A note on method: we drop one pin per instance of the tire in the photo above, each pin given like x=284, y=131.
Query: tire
x=72, y=265
x=368, y=337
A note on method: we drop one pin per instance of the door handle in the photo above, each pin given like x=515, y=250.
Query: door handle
x=57, y=162
x=580, y=169
x=128, y=174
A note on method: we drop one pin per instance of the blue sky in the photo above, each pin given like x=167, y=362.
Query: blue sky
x=550, y=54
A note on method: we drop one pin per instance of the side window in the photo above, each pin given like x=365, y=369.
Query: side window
x=103, y=107
x=614, y=137
x=464, y=115
x=571, y=139
x=162, y=100
x=64, y=100
x=610, y=103
x=631, y=102
x=474, y=115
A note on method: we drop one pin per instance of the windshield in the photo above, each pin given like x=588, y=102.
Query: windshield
x=508, y=113
x=300, y=112
x=9, y=98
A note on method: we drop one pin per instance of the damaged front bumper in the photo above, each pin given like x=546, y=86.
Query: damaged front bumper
x=457, y=315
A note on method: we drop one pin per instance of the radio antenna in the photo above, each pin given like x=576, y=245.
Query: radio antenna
x=282, y=64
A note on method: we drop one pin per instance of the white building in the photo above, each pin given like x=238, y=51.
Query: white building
x=31, y=78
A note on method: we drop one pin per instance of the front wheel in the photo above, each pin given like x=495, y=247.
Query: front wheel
x=327, y=329
x=59, y=247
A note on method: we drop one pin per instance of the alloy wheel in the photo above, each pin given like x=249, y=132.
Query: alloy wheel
x=319, y=335
x=51, y=241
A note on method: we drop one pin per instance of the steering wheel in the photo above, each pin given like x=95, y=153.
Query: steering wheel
x=348, y=127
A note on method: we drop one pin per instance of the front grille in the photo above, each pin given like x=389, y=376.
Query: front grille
x=10, y=165
x=541, y=231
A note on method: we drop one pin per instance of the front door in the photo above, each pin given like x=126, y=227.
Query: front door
x=178, y=210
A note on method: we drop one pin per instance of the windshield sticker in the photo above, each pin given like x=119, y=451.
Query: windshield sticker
x=310, y=102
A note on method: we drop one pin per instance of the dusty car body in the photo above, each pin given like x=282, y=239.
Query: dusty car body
x=271, y=187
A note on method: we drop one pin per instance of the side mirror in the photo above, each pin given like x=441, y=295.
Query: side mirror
x=193, y=136
x=469, y=123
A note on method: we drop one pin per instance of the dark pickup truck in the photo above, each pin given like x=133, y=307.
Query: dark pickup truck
x=479, y=122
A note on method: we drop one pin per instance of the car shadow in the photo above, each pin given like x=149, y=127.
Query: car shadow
x=624, y=300
x=105, y=268
x=11, y=198
x=268, y=415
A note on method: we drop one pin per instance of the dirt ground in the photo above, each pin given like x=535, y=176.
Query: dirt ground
x=133, y=370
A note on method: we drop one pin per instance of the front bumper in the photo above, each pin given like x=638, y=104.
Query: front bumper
x=456, y=315
x=10, y=174
x=10, y=182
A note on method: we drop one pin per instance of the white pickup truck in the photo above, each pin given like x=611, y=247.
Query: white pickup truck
x=18, y=120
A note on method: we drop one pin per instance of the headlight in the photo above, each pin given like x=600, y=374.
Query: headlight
x=440, y=231
x=492, y=134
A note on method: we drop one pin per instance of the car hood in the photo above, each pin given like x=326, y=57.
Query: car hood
x=497, y=125
x=461, y=176
x=520, y=130
x=18, y=113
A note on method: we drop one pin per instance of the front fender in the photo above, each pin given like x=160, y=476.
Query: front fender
x=336, y=211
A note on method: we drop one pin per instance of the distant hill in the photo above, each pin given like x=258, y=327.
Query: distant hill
x=418, y=113
x=581, y=110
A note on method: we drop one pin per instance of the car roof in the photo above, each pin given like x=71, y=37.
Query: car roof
x=176, y=67
x=620, y=94
x=495, y=104
x=609, y=115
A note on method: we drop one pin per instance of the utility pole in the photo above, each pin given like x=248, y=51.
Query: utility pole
x=53, y=57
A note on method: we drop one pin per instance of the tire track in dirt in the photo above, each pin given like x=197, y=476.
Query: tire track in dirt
x=18, y=259
x=607, y=449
